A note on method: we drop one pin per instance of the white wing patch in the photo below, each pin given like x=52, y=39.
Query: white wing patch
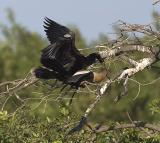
x=67, y=36
x=81, y=72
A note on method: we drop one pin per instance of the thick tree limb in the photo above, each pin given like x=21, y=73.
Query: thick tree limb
x=139, y=67
x=135, y=124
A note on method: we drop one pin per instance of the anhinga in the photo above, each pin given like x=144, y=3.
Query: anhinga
x=61, y=60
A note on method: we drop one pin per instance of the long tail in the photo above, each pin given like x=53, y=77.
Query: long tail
x=44, y=73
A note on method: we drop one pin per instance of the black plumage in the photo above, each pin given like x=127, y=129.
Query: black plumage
x=61, y=58
x=76, y=80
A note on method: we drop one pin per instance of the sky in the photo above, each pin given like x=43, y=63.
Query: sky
x=92, y=17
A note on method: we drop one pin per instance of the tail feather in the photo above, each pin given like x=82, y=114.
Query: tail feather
x=44, y=73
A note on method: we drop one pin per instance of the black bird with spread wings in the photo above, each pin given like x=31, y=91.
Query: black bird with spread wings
x=61, y=59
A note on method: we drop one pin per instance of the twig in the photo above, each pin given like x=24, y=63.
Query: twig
x=155, y=2
x=17, y=85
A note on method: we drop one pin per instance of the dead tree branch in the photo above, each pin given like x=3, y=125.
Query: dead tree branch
x=110, y=53
x=155, y=2
x=144, y=29
x=135, y=124
x=14, y=86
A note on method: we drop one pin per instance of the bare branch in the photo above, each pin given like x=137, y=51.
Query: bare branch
x=144, y=29
x=15, y=86
x=135, y=124
x=155, y=2
x=109, y=53
x=140, y=66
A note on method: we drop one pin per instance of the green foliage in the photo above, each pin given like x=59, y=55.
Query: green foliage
x=155, y=106
x=19, y=51
x=23, y=127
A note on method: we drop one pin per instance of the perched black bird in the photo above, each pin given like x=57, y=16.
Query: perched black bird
x=61, y=60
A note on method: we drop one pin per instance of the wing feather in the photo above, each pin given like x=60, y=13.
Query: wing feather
x=62, y=48
x=54, y=31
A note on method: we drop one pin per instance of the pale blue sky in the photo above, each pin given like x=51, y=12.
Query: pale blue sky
x=91, y=16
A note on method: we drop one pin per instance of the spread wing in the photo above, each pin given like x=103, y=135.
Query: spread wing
x=54, y=31
x=61, y=53
x=53, y=57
